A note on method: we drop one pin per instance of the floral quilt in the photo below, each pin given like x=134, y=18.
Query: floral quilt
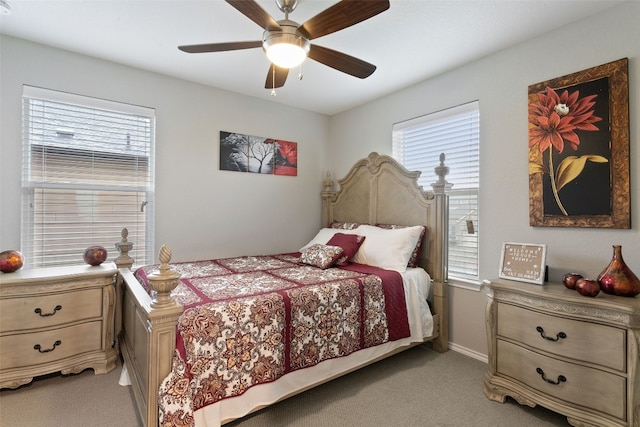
x=251, y=320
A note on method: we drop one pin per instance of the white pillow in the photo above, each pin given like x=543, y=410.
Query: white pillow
x=387, y=248
x=325, y=234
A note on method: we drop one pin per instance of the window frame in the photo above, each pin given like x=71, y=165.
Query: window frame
x=101, y=160
x=427, y=159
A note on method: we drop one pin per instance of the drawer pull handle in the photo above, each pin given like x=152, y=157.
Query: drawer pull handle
x=561, y=378
x=559, y=335
x=47, y=350
x=55, y=310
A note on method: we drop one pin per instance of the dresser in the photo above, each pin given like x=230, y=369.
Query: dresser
x=56, y=319
x=576, y=355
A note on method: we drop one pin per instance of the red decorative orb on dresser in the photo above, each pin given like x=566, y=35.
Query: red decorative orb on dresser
x=570, y=280
x=95, y=255
x=11, y=261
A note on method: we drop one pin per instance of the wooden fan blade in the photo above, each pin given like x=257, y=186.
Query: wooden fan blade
x=280, y=77
x=219, y=47
x=341, y=61
x=340, y=16
x=253, y=11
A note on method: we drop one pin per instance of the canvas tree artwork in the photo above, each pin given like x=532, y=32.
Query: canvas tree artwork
x=256, y=154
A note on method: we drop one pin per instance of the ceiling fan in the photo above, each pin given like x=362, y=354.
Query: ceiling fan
x=286, y=42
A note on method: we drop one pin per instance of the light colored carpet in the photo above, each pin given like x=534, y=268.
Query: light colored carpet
x=83, y=399
x=399, y=391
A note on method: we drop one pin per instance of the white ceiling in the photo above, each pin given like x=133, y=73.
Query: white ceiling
x=410, y=42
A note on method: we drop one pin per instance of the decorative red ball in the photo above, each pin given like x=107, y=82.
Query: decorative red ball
x=95, y=255
x=11, y=261
x=570, y=280
x=587, y=287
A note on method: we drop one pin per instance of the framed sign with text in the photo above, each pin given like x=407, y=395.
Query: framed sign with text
x=524, y=262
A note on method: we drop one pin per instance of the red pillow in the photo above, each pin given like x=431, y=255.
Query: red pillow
x=350, y=243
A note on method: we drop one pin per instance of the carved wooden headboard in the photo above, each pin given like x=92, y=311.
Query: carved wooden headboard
x=379, y=190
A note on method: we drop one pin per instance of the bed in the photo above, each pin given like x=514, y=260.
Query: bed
x=157, y=309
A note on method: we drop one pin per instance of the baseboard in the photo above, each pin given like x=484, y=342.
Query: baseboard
x=468, y=352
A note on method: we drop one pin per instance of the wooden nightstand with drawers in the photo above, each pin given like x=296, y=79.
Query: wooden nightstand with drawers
x=575, y=355
x=56, y=319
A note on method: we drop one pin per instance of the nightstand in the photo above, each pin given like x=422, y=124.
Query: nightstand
x=576, y=355
x=56, y=319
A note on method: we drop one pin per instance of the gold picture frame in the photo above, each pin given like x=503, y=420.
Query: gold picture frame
x=523, y=262
x=579, y=149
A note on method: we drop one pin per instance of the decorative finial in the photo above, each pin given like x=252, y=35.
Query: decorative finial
x=165, y=257
x=328, y=182
x=124, y=246
x=441, y=186
x=164, y=280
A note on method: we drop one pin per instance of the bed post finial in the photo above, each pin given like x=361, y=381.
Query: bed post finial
x=441, y=186
x=124, y=246
x=328, y=195
x=164, y=280
x=328, y=182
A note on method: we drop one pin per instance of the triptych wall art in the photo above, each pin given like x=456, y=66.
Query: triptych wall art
x=255, y=154
x=579, y=149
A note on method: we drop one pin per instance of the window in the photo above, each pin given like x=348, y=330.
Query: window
x=87, y=173
x=417, y=144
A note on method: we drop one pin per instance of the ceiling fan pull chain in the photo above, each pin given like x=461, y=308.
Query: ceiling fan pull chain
x=300, y=76
x=273, y=80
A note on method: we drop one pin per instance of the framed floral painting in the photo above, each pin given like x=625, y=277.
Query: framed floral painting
x=579, y=149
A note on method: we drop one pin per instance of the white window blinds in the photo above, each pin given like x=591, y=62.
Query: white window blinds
x=417, y=144
x=87, y=173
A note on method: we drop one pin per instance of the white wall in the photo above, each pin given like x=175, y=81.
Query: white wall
x=500, y=83
x=200, y=210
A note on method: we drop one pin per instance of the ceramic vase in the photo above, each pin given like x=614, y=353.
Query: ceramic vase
x=617, y=278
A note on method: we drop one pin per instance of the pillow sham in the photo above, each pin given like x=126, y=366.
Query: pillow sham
x=344, y=225
x=387, y=248
x=414, y=259
x=321, y=256
x=350, y=243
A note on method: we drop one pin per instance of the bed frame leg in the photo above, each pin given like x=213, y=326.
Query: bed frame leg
x=441, y=307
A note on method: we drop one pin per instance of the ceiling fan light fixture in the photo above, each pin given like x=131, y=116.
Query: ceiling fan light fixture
x=284, y=49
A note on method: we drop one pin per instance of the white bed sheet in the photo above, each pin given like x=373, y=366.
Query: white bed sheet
x=417, y=285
